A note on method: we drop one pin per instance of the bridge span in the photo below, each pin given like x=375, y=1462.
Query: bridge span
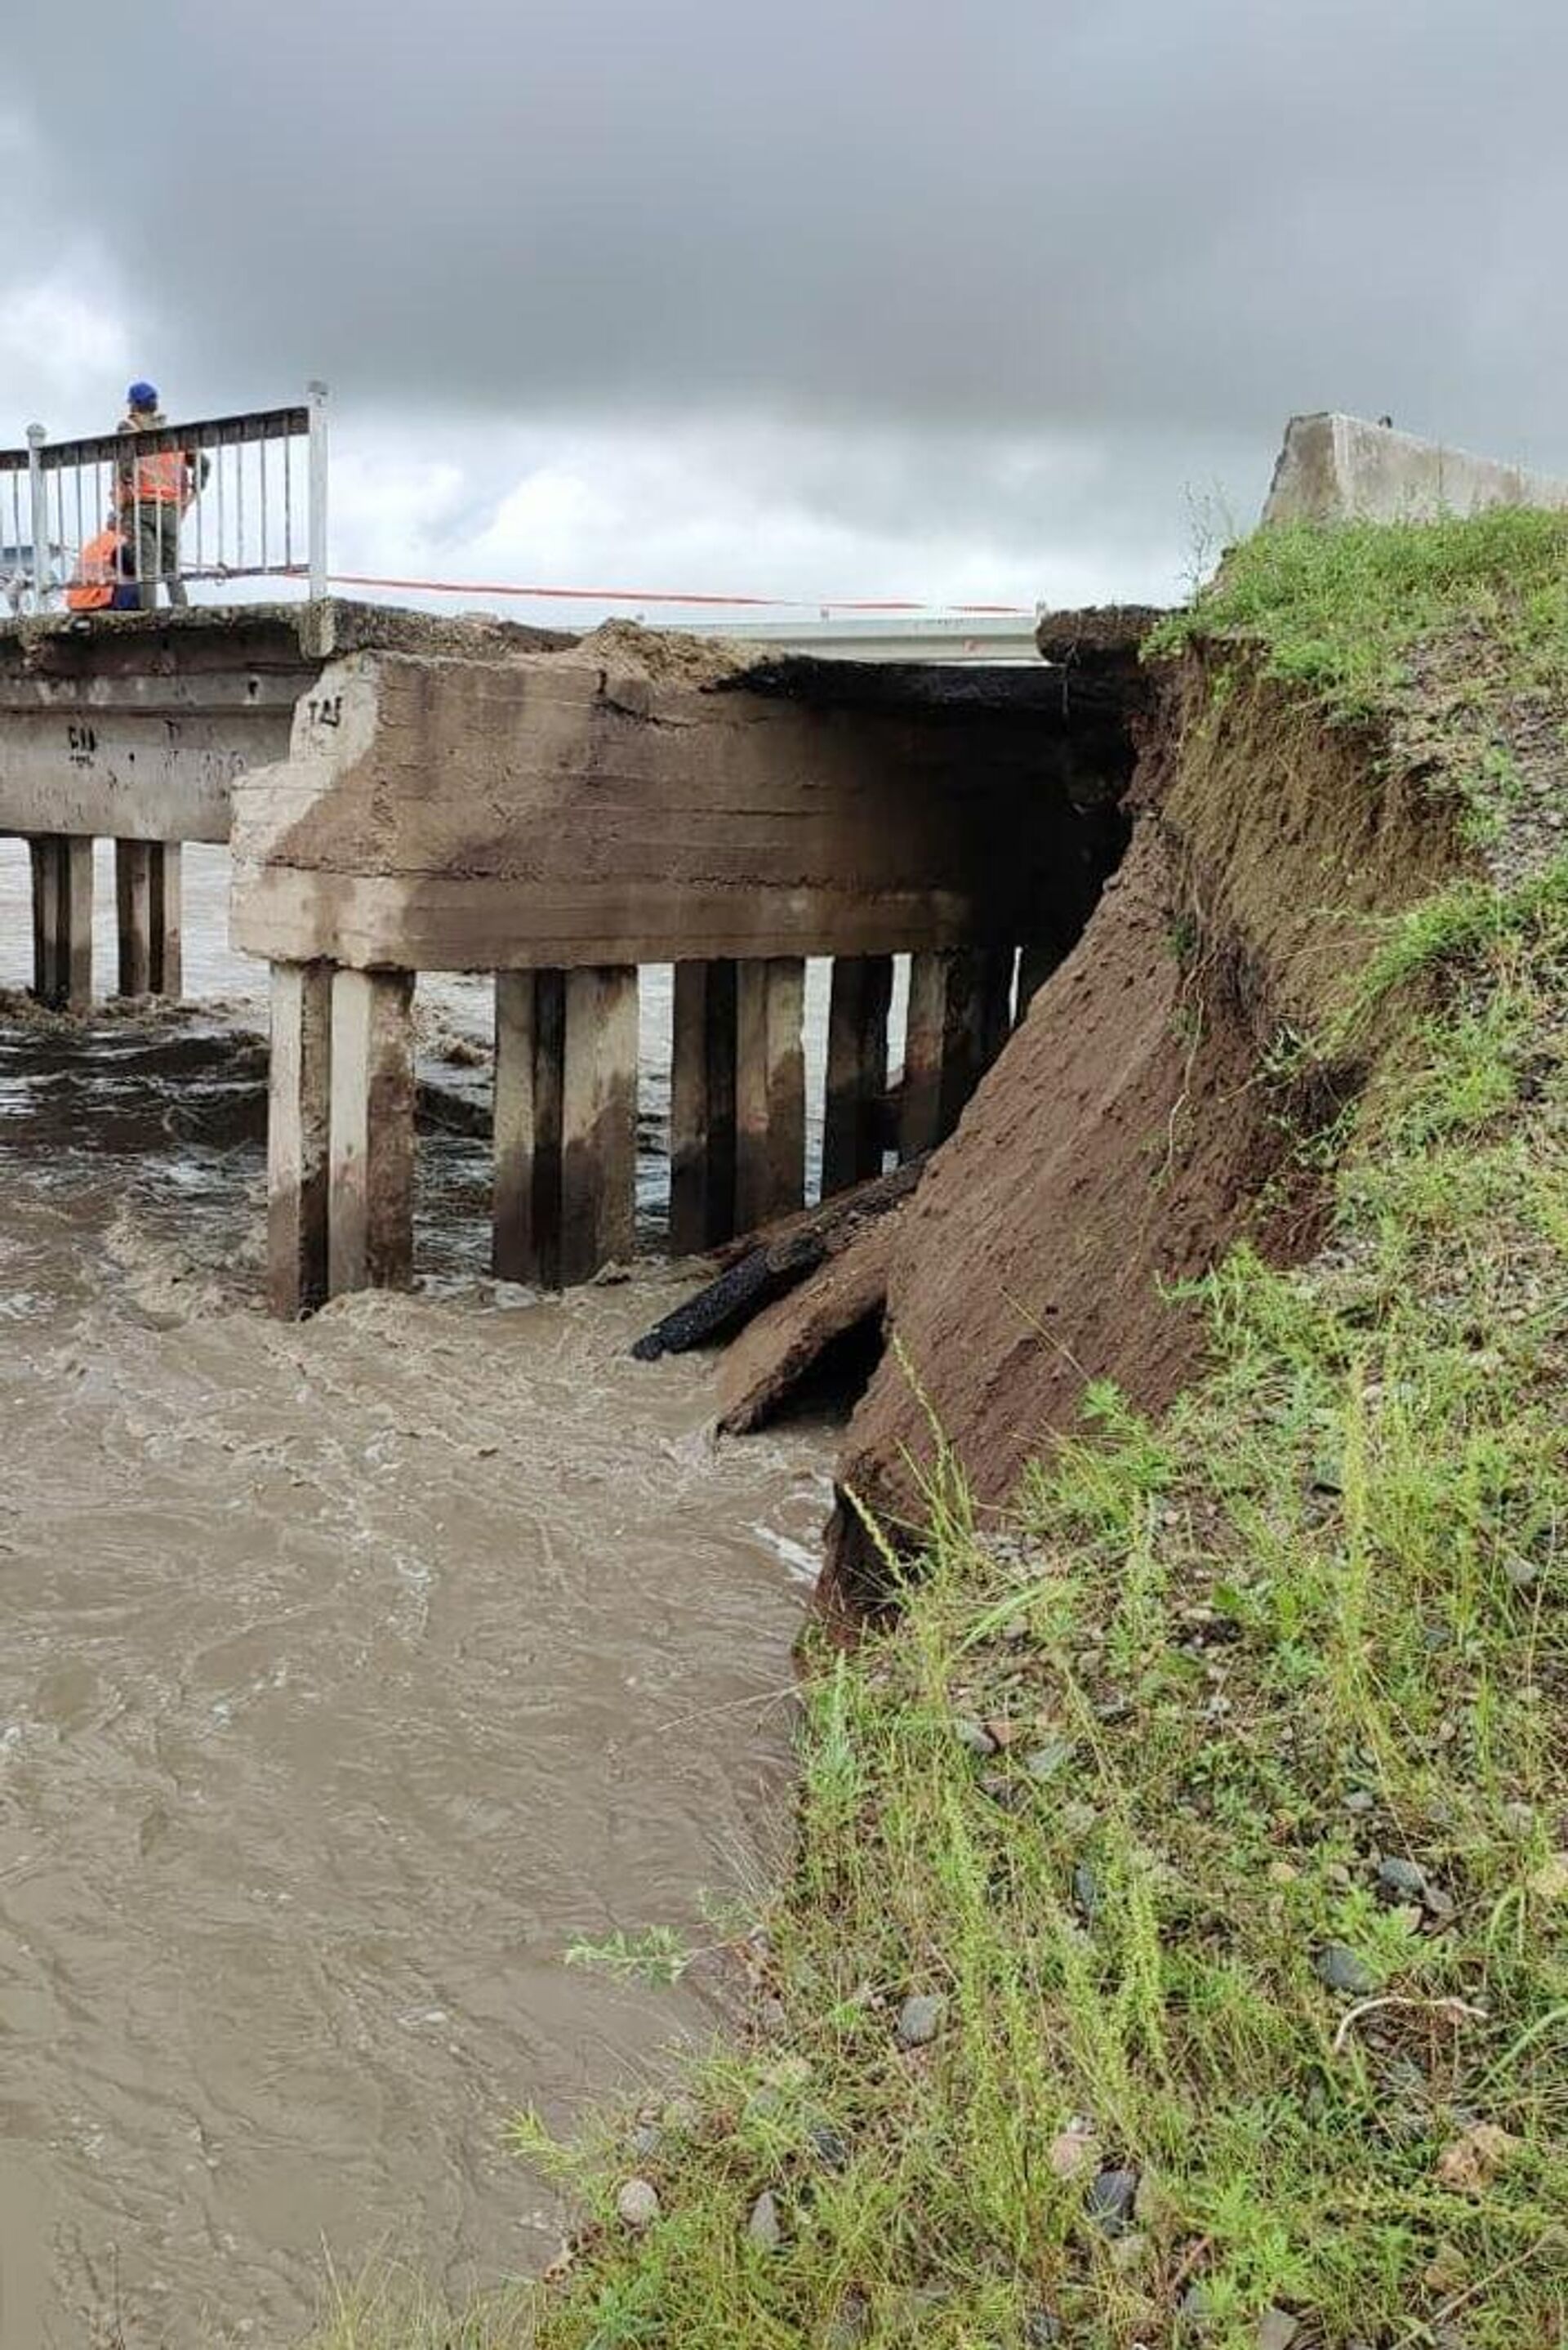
x=408, y=794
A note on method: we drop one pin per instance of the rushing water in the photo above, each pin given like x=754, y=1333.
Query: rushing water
x=349, y=1673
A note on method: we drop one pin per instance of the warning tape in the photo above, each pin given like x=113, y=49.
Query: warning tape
x=671, y=596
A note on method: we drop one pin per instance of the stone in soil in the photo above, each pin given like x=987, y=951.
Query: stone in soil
x=1041, y=2329
x=637, y=2204
x=974, y=1737
x=1110, y=2199
x=648, y=2141
x=1044, y=1763
x=828, y=2146
x=764, y=2229
x=1339, y=1969
x=920, y=2019
x=1277, y=2329
x=1401, y=1880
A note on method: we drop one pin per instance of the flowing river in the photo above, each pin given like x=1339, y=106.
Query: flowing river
x=350, y=1673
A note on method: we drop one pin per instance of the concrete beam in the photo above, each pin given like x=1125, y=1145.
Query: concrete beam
x=371, y=1210
x=1335, y=468
x=62, y=875
x=591, y=808
x=530, y=1046
x=770, y=1090
x=956, y=1024
x=298, y=1112
x=702, y=1108
x=599, y=1121
x=136, y=724
x=855, y=1106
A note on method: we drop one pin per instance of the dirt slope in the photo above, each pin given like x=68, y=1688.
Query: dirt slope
x=1130, y=1132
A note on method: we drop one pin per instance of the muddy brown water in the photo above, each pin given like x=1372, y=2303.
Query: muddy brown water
x=349, y=1674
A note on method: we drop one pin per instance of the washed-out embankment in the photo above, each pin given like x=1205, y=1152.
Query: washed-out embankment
x=1140, y=1119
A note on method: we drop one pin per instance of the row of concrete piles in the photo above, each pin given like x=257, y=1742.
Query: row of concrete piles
x=341, y=1122
x=147, y=907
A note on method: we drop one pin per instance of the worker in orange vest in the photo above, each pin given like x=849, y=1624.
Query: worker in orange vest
x=101, y=581
x=152, y=493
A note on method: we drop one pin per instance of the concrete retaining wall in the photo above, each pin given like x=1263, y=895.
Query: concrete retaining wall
x=1341, y=469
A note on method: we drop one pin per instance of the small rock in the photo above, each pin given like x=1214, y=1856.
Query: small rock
x=1359, y=1800
x=1042, y=1762
x=1197, y=2305
x=682, y=2114
x=999, y=1730
x=1440, y=1906
x=1519, y=1819
x=1016, y=1628
x=1085, y=1892
x=1472, y=2160
x=920, y=2017
x=1401, y=1880
x=1072, y=2149
x=1110, y=2199
x=1339, y=1969
x=637, y=2204
x=1079, y=1819
x=1277, y=2329
x=1041, y=2330
x=1522, y=1573
x=764, y=2229
x=1550, y=1881
x=1447, y=2272
x=828, y=2146
x=974, y=1737
x=648, y=2141
x=773, y=2017
x=1128, y=2253
x=849, y=2322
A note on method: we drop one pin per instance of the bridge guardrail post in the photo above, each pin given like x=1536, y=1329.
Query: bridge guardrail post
x=36, y=436
x=316, y=394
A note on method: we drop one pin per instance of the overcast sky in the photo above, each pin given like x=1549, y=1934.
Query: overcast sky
x=821, y=299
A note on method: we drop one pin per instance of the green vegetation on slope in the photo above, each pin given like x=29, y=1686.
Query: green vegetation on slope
x=1344, y=613
x=1212, y=1810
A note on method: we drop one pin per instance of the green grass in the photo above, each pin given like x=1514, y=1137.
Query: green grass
x=1341, y=612
x=1315, y=1617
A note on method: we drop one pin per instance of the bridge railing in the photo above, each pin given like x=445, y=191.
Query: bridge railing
x=224, y=499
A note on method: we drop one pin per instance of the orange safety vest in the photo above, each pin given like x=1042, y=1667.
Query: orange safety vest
x=97, y=570
x=159, y=481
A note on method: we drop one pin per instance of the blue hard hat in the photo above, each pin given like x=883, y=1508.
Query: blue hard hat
x=142, y=395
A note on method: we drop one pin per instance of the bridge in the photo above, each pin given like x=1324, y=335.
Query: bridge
x=407, y=793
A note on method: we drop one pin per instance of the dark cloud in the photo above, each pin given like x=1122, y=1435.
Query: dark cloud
x=1099, y=219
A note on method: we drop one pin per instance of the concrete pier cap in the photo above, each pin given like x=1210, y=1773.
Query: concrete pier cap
x=646, y=798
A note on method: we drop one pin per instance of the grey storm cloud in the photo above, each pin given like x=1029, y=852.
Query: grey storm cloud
x=1102, y=217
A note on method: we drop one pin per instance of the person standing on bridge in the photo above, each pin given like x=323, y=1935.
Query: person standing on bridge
x=152, y=494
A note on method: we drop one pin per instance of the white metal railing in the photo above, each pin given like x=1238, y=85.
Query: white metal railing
x=226, y=498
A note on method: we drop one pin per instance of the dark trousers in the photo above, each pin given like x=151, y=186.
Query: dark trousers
x=153, y=529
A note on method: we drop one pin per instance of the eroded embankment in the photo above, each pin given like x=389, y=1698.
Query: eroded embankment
x=1149, y=1111
x=1177, y=1946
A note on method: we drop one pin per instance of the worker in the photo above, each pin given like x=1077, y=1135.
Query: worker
x=152, y=493
x=103, y=580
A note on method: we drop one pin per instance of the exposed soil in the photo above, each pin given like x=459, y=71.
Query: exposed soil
x=1131, y=1130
